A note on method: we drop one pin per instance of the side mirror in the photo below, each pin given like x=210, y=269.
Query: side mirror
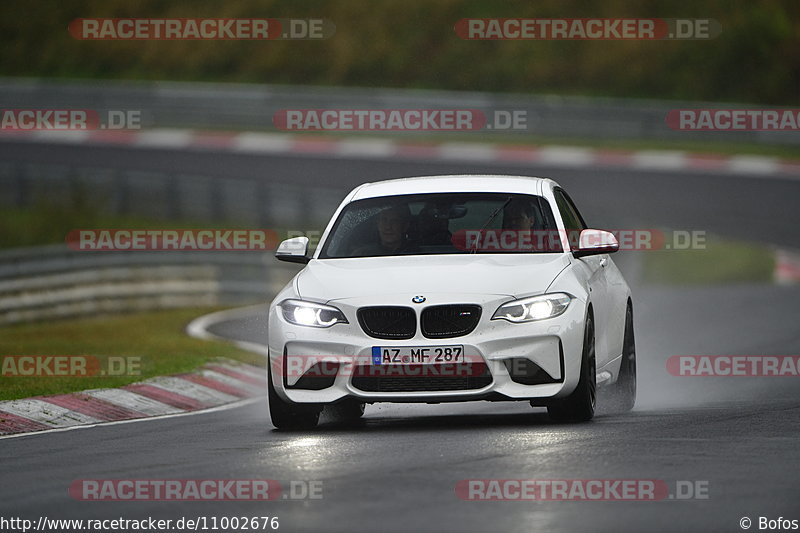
x=293, y=250
x=595, y=242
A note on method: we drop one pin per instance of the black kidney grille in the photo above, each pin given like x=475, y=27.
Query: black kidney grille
x=443, y=321
x=388, y=322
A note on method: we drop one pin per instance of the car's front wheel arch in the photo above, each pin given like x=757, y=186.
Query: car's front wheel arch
x=579, y=405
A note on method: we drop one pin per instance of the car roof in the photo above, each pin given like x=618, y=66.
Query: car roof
x=451, y=183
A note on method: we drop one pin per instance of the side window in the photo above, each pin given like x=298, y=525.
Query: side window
x=574, y=210
x=573, y=221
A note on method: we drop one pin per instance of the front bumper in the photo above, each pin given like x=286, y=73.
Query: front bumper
x=554, y=345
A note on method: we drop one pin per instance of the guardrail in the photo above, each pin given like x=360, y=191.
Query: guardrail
x=251, y=107
x=55, y=282
x=255, y=201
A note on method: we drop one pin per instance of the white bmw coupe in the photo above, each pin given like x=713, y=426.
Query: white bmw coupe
x=452, y=288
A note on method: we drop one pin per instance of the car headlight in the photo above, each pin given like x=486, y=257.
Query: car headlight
x=535, y=308
x=311, y=314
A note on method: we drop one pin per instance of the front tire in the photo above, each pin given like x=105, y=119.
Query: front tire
x=290, y=415
x=580, y=404
x=622, y=395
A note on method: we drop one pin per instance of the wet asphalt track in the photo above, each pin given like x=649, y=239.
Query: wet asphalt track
x=398, y=471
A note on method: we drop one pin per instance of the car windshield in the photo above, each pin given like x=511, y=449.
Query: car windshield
x=443, y=223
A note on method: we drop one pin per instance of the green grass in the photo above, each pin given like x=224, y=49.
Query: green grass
x=157, y=338
x=43, y=224
x=721, y=262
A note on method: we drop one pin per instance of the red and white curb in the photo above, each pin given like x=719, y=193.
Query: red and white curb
x=213, y=385
x=787, y=267
x=365, y=147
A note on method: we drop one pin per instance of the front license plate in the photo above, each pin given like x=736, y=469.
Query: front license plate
x=417, y=355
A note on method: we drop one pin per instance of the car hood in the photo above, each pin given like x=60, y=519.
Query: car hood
x=512, y=275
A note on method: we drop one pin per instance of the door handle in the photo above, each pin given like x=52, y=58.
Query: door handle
x=603, y=262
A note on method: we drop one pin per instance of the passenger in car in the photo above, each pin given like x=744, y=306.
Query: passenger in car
x=519, y=214
x=521, y=226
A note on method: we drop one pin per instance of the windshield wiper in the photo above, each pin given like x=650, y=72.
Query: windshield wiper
x=474, y=248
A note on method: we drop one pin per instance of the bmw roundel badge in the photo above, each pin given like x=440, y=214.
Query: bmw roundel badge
x=418, y=299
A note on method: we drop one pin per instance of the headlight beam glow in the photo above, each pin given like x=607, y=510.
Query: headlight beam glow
x=535, y=308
